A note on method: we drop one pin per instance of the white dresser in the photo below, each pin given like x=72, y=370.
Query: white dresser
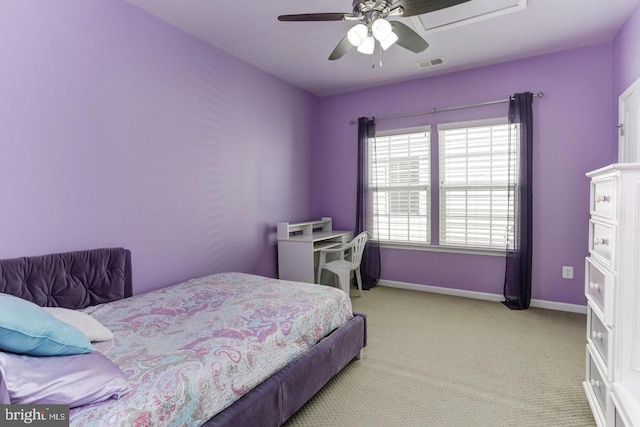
x=612, y=287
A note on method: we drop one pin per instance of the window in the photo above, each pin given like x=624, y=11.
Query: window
x=399, y=186
x=476, y=201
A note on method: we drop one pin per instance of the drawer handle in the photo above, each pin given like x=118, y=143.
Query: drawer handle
x=602, y=241
x=600, y=199
x=596, y=335
x=594, y=286
x=595, y=383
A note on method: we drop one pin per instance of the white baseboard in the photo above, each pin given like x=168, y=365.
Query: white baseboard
x=550, y=305
x=560, y=306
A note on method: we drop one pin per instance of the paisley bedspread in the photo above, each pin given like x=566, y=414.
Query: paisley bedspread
x=192, y=349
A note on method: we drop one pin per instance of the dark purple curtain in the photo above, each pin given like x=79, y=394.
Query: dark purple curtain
x=370, y=264
x=517, y=278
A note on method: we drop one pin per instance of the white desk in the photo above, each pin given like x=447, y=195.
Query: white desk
x=299, y=246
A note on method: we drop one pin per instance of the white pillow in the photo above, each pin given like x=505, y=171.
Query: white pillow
x=89, y=326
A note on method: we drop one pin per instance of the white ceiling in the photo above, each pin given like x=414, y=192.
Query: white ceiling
x=297, y=52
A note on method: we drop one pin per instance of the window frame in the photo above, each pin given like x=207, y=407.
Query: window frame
x=434, y=214
x=488, y=186
x=371, y=186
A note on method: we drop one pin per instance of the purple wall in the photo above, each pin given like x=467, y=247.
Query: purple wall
x=117, y=129
x=572, y=135
x=626, y=55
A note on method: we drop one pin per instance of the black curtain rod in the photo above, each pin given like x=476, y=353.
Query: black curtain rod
x=438, y=110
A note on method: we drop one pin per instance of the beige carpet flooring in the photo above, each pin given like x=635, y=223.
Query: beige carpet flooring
x=436, y=360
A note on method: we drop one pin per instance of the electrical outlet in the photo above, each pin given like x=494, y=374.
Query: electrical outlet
x=567, y=272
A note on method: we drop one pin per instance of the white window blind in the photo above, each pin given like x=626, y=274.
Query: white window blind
x=474, y=184
x=399, y=179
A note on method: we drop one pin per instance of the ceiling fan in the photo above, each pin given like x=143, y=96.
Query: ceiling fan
x=372, y=24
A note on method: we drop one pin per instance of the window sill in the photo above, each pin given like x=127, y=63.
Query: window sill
x=446, y=249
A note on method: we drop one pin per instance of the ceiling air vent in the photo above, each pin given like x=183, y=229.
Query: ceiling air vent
x=430, y=62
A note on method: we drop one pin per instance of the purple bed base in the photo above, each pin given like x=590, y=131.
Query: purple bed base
x=80, y=279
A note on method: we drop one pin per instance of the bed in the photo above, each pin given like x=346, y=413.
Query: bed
x=178, y=345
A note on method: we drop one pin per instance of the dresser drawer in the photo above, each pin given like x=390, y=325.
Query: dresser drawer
x=626, y=411
x=620, y=420
x=597, y=387
x=603, y=197
x=602, y=242
x=599, y=289
x=599, y=337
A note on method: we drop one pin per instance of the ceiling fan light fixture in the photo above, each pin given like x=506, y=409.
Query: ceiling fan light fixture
x=389, y=41
x=372, y=25
x=381, y=29
x=357, y=34
x=367, y=46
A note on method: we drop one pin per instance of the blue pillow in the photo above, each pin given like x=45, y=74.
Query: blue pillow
x=26, y=328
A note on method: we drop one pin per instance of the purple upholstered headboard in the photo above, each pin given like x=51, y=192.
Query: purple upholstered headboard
x=71, y=280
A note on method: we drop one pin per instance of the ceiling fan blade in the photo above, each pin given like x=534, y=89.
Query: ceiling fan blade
x=343, y=47
x=408, y=39
x=313, y=17
x=419, y=7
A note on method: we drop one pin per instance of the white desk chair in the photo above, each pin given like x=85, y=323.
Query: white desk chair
x=348, y=262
